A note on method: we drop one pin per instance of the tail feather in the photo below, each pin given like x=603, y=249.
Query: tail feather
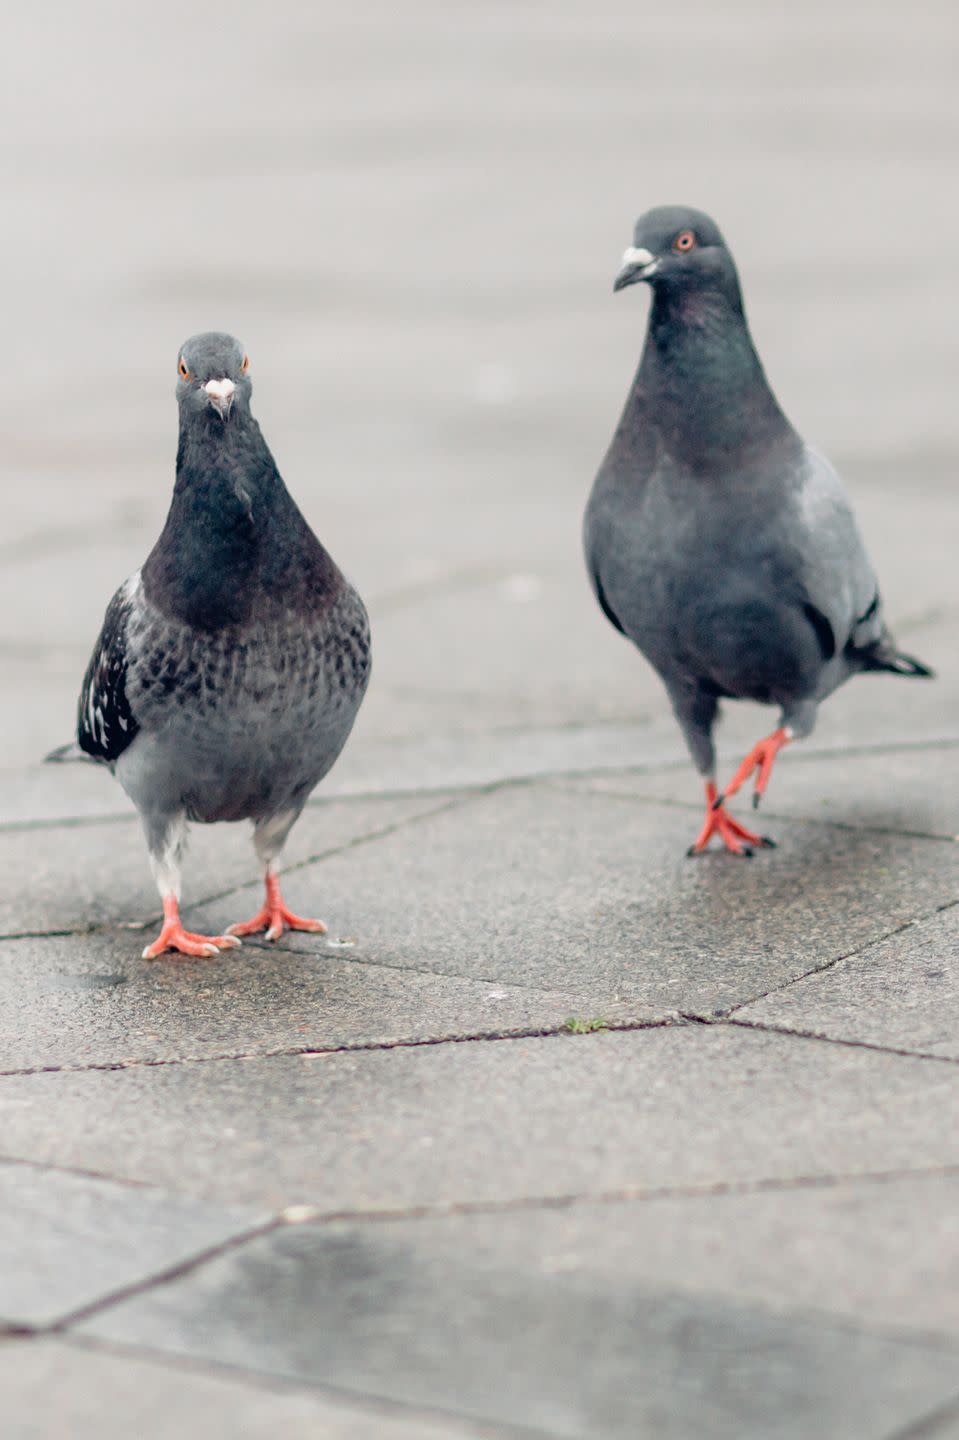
x=885, y=656
x=64, y=754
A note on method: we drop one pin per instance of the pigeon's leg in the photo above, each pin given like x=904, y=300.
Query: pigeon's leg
x=736, y=838
x=695, y=709
x=797, y=721
x=760, y=758
x=165, y=836
x=274, y=917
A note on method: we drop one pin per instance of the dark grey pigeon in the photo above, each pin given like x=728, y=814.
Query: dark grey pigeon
x=716, y=540
x=230, y=668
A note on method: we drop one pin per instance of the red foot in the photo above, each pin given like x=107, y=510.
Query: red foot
x=173, y=936
x=760, y=758
x=736, y=838
x=274, y=917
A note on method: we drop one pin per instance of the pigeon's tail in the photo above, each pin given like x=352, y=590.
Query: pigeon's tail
x=884, y=656
x=66, y=753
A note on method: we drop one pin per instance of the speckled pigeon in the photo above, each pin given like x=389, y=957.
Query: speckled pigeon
x=230, y=668
x=716, y=540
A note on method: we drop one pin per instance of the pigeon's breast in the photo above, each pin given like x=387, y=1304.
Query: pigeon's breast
x=244, y=722
x=699, y=576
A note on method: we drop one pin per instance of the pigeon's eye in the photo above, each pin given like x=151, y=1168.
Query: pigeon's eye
x=685, y=240
x=246, y=364
x=184, y=369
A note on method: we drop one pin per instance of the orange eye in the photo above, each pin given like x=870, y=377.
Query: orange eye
x=246, y=364
x=183, y=369
x=685, y=240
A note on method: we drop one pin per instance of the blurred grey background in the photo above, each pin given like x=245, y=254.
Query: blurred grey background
x=412, y=216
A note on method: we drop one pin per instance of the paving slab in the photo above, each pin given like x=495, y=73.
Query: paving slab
x=562, y=888
x=91, y=1000
x=902, y=993
x=53, y=1389
x=546, y=1321
x=92, y=874
x=496, y=1121
x=69, y=1240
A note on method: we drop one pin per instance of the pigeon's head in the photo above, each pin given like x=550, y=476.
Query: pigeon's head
x=213, y=377
x=676, y=247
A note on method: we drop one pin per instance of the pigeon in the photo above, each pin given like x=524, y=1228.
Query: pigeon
x=716, y=540
x=231, y=666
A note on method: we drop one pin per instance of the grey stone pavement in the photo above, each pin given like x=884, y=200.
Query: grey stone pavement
x=556, y=1133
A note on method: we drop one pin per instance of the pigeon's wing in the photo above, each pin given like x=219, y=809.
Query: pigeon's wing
x=841, y=591
x=105, y=722
x=600, y=594
x=599, y=534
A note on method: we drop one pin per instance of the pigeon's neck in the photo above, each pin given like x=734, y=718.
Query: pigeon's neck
x=221, y=469
x=234, y=542
x=700, y=383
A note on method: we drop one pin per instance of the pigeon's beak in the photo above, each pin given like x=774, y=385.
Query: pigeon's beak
x=220, y=394
x=637, y=265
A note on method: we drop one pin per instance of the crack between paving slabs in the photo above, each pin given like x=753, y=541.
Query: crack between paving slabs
x=849, y=1044
x=624, y=1195
x=160, y=1277
x=453, y=802
x=85, y=1174
x=368, y=837
x=266, y=1380
x=547, y=1032
x=867, y=945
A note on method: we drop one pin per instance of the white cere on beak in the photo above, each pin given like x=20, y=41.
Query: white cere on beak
x=636, y=256
x=219, y=389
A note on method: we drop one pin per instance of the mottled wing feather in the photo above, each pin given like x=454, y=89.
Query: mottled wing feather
x=105, y=722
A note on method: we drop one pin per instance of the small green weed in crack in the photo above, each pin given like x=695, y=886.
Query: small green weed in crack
x=577, y=1026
